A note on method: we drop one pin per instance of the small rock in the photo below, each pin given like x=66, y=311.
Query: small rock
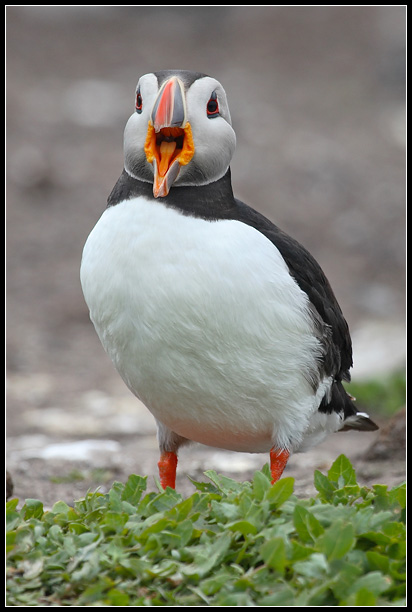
x=391, y=442
x=9, y=485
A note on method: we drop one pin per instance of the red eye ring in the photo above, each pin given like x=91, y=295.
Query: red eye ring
x=212, y=107
x=139, y=102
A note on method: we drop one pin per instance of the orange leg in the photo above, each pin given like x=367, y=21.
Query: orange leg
x=278, y=461
x=167, y=469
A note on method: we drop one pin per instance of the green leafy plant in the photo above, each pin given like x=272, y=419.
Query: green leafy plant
x=228, y=544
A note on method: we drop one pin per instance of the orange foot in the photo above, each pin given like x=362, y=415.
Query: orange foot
x=167, y=469
x=278, y=461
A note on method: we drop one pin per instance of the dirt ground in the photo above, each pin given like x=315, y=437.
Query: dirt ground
x=318, y=104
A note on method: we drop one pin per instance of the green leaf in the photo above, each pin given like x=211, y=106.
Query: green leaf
x=337, y=540
x=261, y=484
x=393, y=529
x=181, y=510
x=223, y=483
x=316, y=566
x=134, y=488
x=33, y=508
x=204, y=487
x=96, y=592
x=365, y=598
x=378, y=561
x=61, y=507
x=12, y=518
x=307, y=526
x=283, y=596
x=345, y=574
x=115, y=597
x=208, y=556
x=224, y=511
x=266, y=471
x=273, y=553
x=12, y=504
x=243, y=526
x=212, y=585
x=280, y=492
x=398, y=494
x=377, y=538
x=115, y=499
x=160, y=524
x=163, y=501
x=374, y=582
x=341, y=472
x=115, y=521
x=324, y=486
x=299, y=551
x=185, y=531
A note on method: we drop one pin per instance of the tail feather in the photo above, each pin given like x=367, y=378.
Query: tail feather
x=341, y=402
x=359, y=421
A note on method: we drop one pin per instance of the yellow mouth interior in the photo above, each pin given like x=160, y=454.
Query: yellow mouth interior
x=168, y=145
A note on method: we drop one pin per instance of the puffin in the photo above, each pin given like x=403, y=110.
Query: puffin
x=224, y=326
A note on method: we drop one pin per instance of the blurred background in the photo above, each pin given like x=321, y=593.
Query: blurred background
x=317, y=97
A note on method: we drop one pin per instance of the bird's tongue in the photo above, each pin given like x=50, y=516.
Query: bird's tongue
x=166, y=153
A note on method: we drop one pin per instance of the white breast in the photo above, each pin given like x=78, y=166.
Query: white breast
x=205, y=325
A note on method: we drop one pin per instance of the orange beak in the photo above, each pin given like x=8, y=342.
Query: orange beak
x=169, y=142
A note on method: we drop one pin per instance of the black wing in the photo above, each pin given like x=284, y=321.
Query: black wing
x=311, y=279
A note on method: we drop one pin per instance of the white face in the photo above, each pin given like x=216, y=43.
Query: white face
x=215, y=139
x=213, y=136
x=136, y=131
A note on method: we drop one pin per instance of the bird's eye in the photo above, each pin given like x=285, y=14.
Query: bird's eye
x=139, y=101
x=212, y=107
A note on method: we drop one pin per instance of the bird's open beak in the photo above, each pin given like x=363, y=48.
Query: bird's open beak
x=169, y=142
